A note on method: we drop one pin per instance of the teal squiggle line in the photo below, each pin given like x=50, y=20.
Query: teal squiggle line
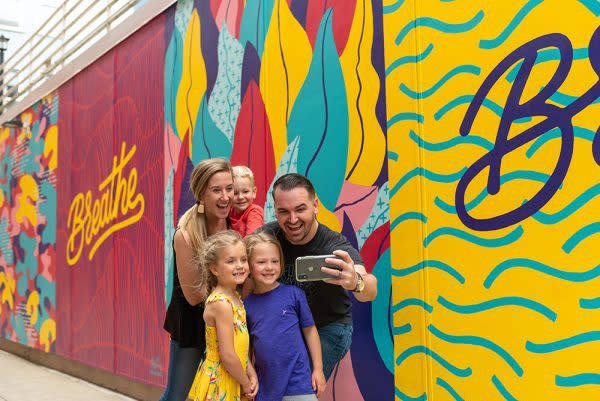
x=578, y=203
x=420, y=349
x=480, y=342
x=547, y=55
x=398, y=331
x=579, y=132
x=392, y=7
x=409, y=59
x=519, y=17
x=430, y=175
x=499, y=303
x=446, y=386
x=456, y=141
x=405, y=303
x=406, y=397
x=404, y=117
x=590, y=336
x=529, y=175
x=466, y=99
x=575, y=277
x=581, y=235
x=408, y=216
x=439, y=25
x=592, y=5
x=500, y=387
x=582, y=379
x=434, y=264
x=393, y=156
x=593, y=303
x=564, y=100
x=507, y=239
x=461, y=69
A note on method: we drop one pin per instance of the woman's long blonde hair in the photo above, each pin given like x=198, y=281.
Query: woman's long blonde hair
x=192, y=222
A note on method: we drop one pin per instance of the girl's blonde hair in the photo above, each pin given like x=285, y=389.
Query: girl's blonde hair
x=263, y=238
x=192, y=222
x=209, y=255
x=243, y=172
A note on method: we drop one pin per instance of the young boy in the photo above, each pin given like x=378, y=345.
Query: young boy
x=245, y=216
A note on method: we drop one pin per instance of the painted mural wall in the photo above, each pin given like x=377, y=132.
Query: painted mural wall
x=290, y=86
x=280, y=86
x=453, y=143
x=494, y=177
x=110, y=213
x=28, y=166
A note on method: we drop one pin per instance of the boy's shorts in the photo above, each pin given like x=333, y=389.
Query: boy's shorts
x=305, y=397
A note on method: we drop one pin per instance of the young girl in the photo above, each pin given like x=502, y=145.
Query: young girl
x=224, y=264
x=278, y=317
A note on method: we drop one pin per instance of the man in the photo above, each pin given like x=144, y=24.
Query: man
x=300, y=234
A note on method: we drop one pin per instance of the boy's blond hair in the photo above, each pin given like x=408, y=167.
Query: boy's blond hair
x=243, y=172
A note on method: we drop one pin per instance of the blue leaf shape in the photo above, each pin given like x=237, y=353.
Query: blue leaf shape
x=208, y=140
x=173, y=68
x=380, y=214
x=320, y=118
x=255, y=23
x=287, y=164
x=381, y=317
x=224, y=103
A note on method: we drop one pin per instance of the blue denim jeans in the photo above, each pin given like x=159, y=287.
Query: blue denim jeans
x=335, y=342
x=183, y=364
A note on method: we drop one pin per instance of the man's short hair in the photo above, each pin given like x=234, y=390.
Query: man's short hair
x=290, y=181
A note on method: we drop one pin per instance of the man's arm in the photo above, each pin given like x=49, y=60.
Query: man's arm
x=369, y=293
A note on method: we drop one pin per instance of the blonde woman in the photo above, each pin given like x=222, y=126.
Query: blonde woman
x=211, y=183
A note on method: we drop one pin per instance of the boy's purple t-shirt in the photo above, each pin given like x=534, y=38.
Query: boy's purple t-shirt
x=275, y=321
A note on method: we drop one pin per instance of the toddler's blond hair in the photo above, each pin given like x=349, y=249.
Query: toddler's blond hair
x=243, y=172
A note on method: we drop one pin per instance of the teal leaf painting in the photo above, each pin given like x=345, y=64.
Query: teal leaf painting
x=255, y=23
x=208, y=140
x=288, y=164
x=224, y=103
x=320, y=118
x=173, y=68
x=183, y=13
x=380, y=214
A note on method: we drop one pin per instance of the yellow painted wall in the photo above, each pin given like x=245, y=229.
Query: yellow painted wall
x=510, y=312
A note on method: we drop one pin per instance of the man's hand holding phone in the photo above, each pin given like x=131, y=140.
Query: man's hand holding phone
x=345, y=274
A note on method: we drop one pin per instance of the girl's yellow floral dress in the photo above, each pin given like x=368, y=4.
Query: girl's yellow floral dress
x=213, y=382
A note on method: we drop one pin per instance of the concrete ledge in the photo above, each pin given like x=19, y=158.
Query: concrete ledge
x=131, y=388
x=138, y=19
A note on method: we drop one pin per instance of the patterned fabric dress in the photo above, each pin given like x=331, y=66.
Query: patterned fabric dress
x=213, y=382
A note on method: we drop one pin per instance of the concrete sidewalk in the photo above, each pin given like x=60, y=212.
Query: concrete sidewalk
x=21, y=380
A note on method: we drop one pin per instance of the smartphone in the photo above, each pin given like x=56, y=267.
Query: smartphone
x=308, y=268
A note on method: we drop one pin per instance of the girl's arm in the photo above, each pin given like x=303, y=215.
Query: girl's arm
x=223, y=316
x=311, y=336
x=251, y=372
x=188, y=273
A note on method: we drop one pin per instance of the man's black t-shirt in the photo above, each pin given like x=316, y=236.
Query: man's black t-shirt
x=328, y=302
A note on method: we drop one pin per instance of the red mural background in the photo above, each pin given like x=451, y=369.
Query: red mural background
x=112, y=303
